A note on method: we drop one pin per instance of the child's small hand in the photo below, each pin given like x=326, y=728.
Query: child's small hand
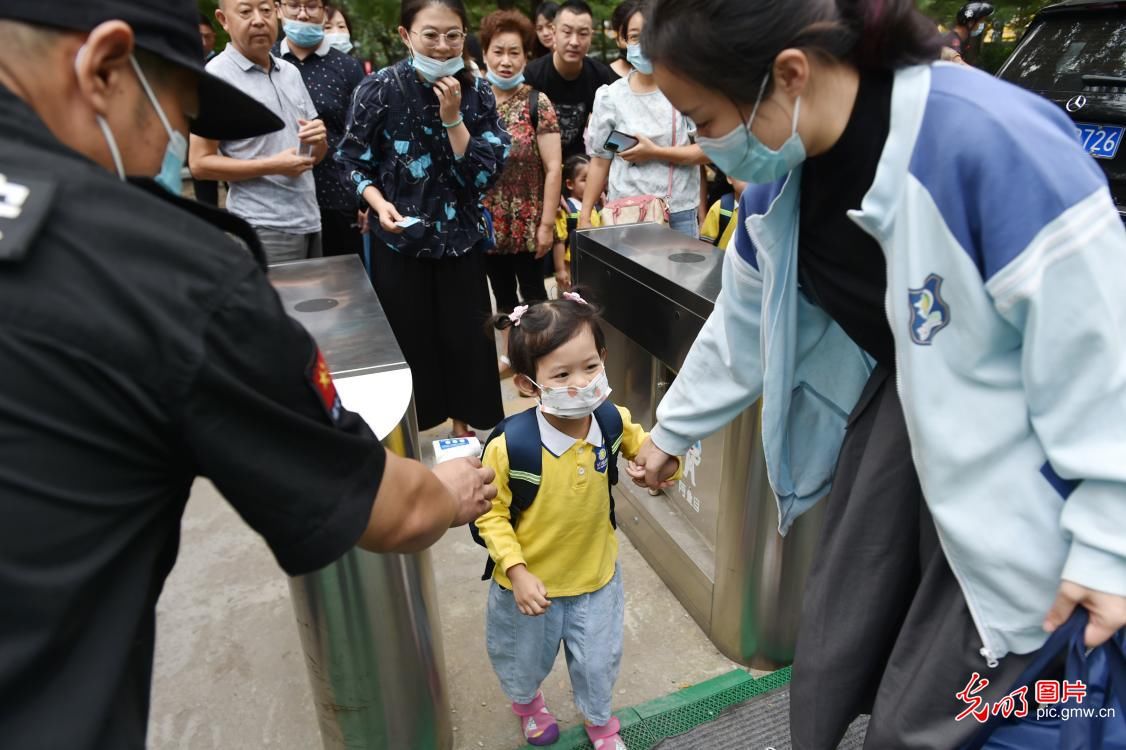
x=637, y=473
x=652, y=467
x=530, y=593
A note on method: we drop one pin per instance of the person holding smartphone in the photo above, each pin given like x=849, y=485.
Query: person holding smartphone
x=271, y=180
x=641, y=145
x=422, y=147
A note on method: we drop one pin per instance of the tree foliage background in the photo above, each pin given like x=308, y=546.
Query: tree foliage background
x=374, y=24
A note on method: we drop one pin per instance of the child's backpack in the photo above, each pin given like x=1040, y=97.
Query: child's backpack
x=525, y=462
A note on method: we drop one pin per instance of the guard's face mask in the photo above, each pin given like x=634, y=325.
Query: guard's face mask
x=570, y=402
x=175, y=152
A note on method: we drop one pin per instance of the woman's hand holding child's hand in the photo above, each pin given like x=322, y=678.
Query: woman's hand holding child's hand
x=530, y=593
x=652, y=467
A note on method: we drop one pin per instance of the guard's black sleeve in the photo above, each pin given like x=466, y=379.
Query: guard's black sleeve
x=302, y=474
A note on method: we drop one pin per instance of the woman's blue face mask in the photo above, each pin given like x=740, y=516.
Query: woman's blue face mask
x=743, y=156
x=636, y=58
x=435, y=70
x=505, y=84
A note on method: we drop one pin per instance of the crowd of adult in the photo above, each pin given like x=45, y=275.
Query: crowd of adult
x=453, y=169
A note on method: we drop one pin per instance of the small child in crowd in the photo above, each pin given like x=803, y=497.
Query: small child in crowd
x=557, y=578
x=723, y=216
x=567, y=218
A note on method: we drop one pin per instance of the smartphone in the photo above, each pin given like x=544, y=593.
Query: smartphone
x=619, y=141
x=407, y=221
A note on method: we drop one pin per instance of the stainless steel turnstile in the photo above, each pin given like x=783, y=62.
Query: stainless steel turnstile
x=714, y=537
x=368, y=623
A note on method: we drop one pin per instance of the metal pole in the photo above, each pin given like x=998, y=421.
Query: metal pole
x=368, y=623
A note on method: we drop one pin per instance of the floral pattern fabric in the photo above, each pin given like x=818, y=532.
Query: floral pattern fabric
x=395, y=141
x=516, y=201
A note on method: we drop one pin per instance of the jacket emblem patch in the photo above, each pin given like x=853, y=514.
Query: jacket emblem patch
x=929, y=313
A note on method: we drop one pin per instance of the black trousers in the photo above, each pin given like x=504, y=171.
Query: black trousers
x=884, y=628
x=339, y=236
x=504, y=271
x=438, y=310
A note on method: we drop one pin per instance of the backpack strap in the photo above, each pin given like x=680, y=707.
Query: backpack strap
x=534, y=110
x=525, y=468
x=610, y=422
x=726, y=212
x=525, y=460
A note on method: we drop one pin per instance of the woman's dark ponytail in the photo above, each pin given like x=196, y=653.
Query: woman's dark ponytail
x=892, y=34
x=729, y=45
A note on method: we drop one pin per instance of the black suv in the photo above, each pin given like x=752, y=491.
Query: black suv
x=1074, y=54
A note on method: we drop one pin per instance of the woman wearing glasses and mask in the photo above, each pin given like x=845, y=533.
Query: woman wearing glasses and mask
x=423, y=145
x=935, y=326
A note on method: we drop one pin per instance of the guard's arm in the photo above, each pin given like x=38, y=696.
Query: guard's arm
x=415, y=506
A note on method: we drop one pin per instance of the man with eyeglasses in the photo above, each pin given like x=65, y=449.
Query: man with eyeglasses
x=330, y=77
x=568, y=76
x=270, y=177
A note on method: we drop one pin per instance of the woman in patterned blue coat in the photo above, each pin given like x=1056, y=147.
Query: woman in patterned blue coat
x=423, y=145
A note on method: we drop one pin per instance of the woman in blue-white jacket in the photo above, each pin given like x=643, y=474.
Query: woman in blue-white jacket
x=928, y=291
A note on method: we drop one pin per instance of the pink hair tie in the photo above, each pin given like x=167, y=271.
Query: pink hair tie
x=574, y=297
x=518, y=313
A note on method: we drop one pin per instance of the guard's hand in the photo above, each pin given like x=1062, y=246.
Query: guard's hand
x=289, y=164
x=651, y=467
x=388, y=215
x=1107, y=612
x=545, y=240
x=362, y=221
x=644, y=151
x=448, y=91
x=312, y=132
x=471, y=484
x=529, y=591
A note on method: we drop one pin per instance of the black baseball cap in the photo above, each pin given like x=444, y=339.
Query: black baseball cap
x=168, y=29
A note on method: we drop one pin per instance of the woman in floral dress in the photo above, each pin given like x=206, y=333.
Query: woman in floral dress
x=524, y=200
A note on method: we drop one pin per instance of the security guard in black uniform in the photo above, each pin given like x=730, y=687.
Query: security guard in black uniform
x=141, y=347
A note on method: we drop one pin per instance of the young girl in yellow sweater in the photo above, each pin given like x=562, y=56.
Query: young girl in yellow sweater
x=557, y=578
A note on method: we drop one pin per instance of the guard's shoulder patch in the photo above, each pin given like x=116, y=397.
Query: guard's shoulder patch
x=24, y=205
x=321, y=382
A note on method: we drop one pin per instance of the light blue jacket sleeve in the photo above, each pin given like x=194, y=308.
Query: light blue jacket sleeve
x=1066, y=293
x=722, y=374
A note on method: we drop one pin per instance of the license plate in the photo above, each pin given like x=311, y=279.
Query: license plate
x=1100, y=141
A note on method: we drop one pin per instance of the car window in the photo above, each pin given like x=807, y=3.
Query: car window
x=1058, y=51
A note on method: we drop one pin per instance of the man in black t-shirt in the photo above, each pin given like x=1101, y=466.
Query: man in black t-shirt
x=568, y=76
x=142, y=347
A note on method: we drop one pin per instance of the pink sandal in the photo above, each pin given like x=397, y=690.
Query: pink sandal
x=536, y=722
x=606, y=736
